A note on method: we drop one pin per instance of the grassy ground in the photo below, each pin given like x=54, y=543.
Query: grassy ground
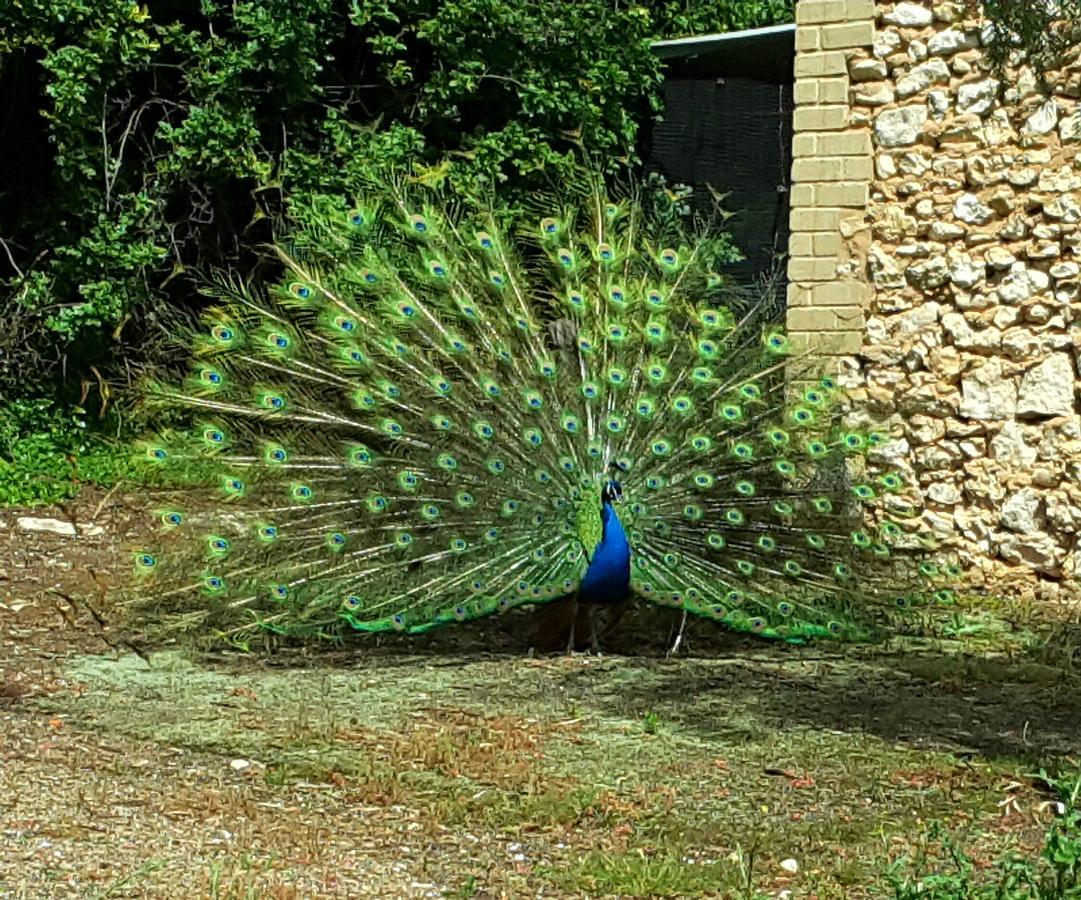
x=460, y=766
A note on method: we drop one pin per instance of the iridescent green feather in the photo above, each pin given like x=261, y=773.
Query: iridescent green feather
x=414, y=429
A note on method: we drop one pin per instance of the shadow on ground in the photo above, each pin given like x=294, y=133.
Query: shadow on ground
x=926, y=694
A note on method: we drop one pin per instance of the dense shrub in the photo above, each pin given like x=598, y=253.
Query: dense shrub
x=142, y=142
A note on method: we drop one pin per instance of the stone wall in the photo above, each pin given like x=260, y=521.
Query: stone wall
x=968, y=253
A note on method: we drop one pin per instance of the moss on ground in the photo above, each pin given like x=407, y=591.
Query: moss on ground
x=632, y=776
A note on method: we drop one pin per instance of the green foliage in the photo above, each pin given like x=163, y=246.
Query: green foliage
x=46, y=454
x=1055, y=875
x=1043, y=31
x=147, y=141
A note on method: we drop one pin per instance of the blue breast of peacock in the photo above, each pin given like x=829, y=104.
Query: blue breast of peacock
x=608, y=576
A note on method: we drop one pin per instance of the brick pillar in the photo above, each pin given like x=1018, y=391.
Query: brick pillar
x=831, y=171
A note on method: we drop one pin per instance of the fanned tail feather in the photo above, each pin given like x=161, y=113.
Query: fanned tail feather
x=415, y=426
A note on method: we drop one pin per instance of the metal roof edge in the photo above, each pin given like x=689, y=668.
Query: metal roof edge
x=692, y=46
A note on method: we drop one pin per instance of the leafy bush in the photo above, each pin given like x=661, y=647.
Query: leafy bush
x=147, y=141
x=46, y=454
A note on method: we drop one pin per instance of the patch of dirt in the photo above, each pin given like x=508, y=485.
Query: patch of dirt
x=459, y=765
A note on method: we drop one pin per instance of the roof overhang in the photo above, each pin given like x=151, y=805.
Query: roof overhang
x=778, y=36
x=767, y=53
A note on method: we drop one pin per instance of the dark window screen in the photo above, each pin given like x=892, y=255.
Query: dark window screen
x=734, y=134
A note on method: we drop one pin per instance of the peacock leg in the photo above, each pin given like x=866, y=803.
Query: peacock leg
x=594, y=641
x=574, y=620
x=674, y=649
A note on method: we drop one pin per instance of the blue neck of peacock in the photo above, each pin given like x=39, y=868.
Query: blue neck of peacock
x=608, y=578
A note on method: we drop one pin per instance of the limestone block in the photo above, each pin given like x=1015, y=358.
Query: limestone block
x=1047, y=389
x=886, y=43
x=867, y=70
x=915, y=321
x=1064, y=271
x=947, y=231
x=943, y=493
x=885, y=167
x=977, y=96
x=1022, y=177
x=1020, y=344
x=1043, y=250
x=921, y=77
x=1059, y=180
x=1022, y=283
x=952, y=40
x=899, y=127
x=963, y=271
x=1063, y=208
x=1043, y=121
x=938, y=104
x=1069, y=127
x=885, y=273
x=909, y=15
x=930, y=274
x=987, y=394
x=968, y=208
x=1010, y=446
x=1038, y=551
x=878, y=93
x=1021, y=510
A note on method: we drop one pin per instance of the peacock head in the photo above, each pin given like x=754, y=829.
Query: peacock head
x=613, y=490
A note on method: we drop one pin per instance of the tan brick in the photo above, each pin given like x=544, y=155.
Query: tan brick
x=802, y=195
x=826, y=244
x=841, y=293
x=804, y=144
x=827, y=343
x=858, y=168
x=811, y=11
x=818, y=168
x=832, y=168
x=820, y=118
x=811, y=65
x=824, y=318
x=859, y=9
x=842, y=193
x=801, y=244
x=808, y=38
x=801, y=219
x=805, y=91
x=836, y=293
x=798, y=295
x=850, y=143
x=851, y=34
x=807, y=268
x=832, y=90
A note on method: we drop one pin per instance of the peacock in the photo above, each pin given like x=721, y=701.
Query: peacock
x=448, y=408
